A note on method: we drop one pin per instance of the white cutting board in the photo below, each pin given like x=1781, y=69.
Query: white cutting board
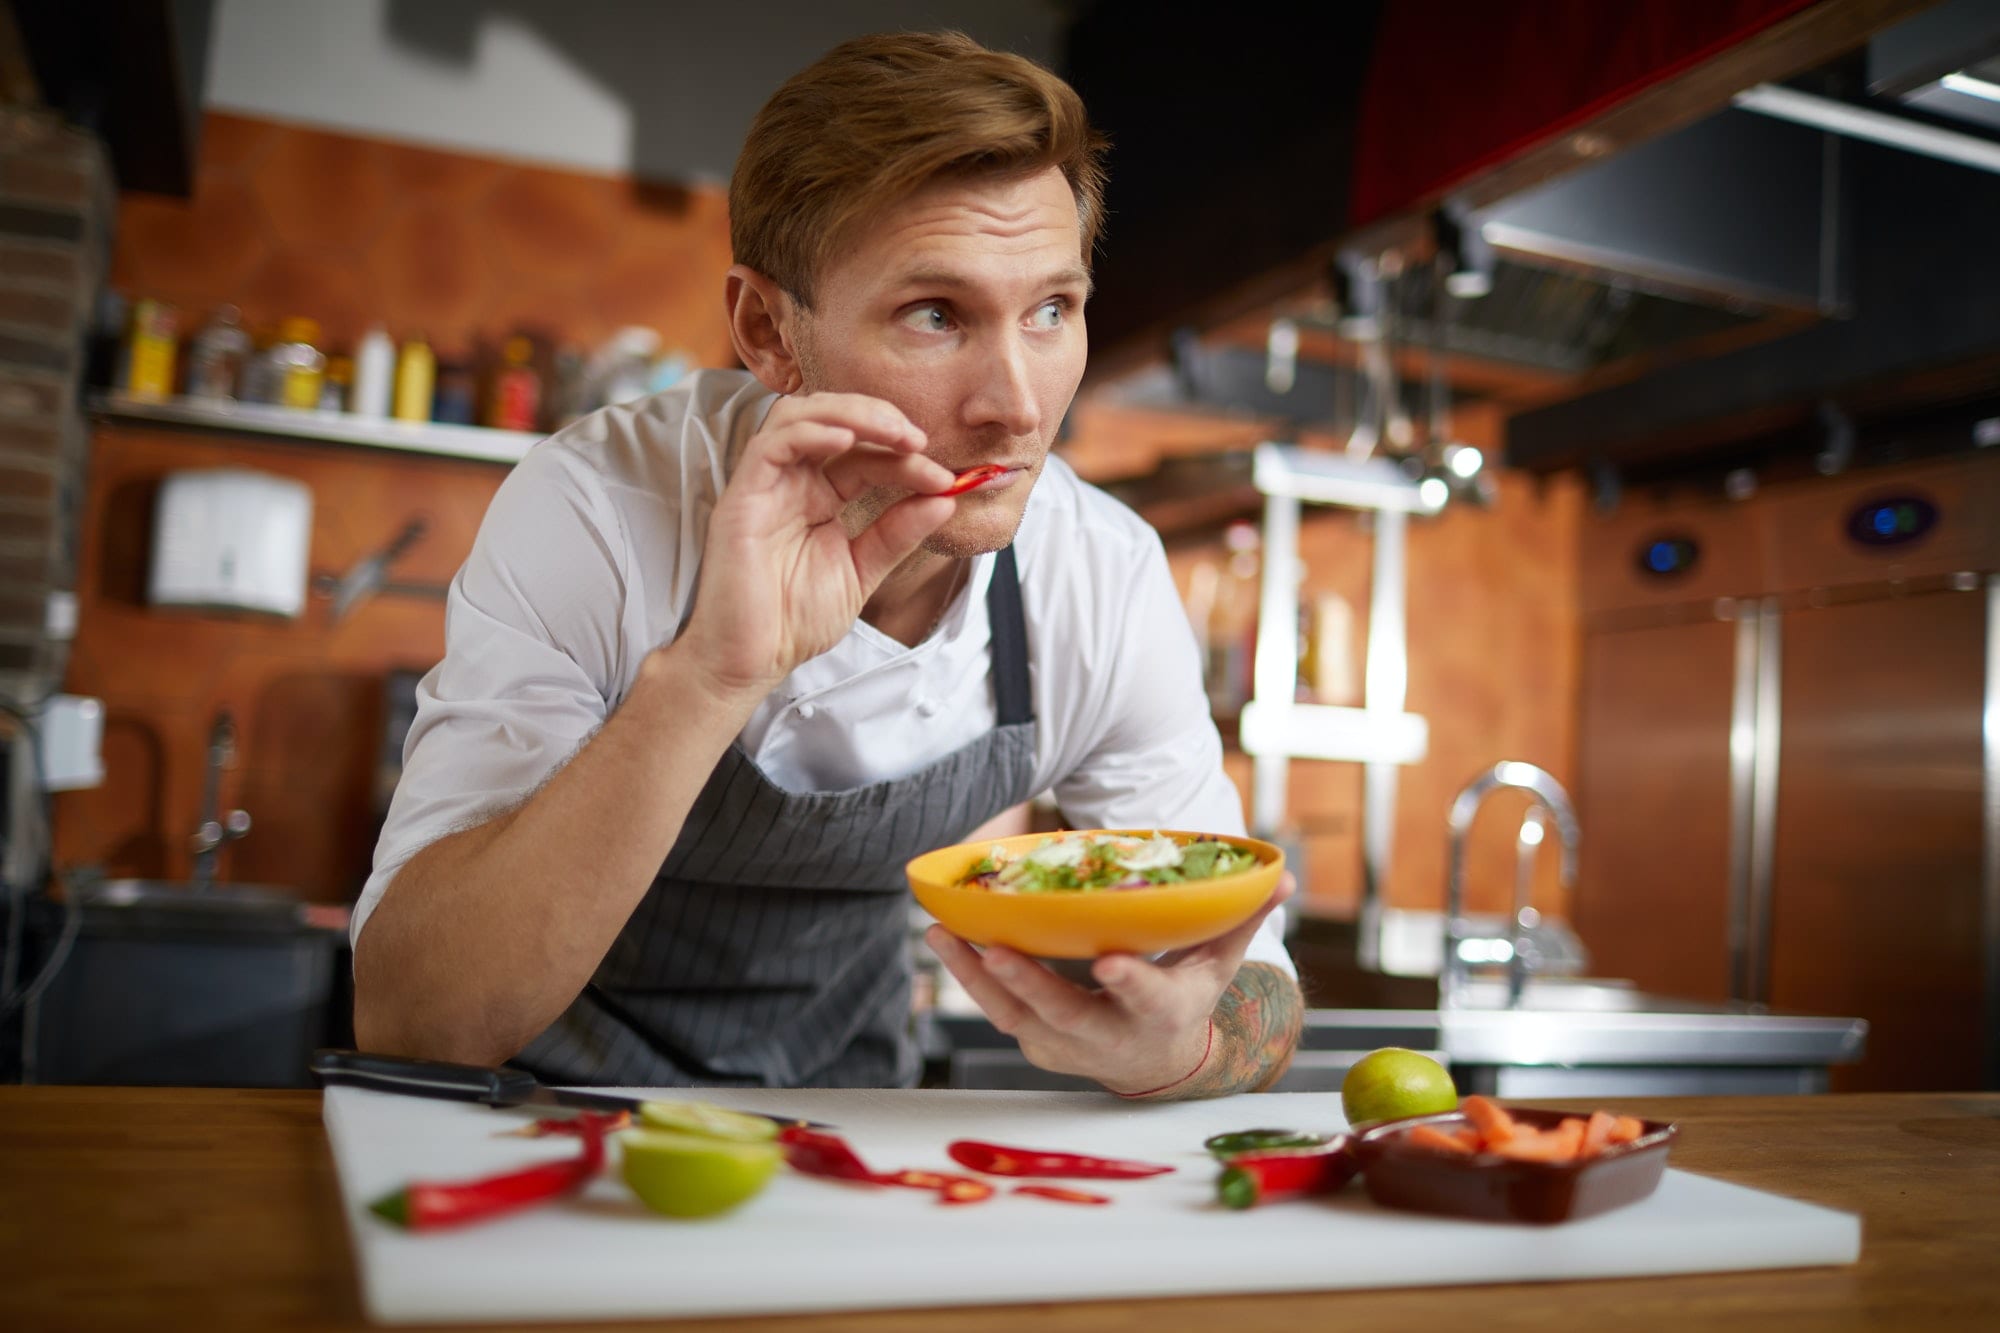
x=811, y=1245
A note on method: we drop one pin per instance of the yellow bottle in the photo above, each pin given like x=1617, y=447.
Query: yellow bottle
x=149, y=351
x=301, y=365
x=416, y=378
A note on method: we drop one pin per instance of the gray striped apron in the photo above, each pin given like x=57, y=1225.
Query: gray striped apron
x=773, y=948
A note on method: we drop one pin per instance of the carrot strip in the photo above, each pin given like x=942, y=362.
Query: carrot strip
x=1627, y=1128
x=1570, y=1135
x=1529, y=1146
x=1494, y=1124
x=1597, y=1132
x=1429, y=1136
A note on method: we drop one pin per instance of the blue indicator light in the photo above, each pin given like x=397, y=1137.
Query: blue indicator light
x=1660, y=557
x=1885, y=521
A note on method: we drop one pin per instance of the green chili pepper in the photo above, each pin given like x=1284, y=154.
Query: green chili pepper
x=1226, y=1146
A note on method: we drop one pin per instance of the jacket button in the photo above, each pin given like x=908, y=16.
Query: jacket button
x=806, y=712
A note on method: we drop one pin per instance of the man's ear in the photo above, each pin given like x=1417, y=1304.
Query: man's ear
x=763, y=321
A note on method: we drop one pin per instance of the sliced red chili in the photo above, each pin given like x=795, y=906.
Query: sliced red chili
x=1283, y=1173
x=997, y=1160
x=1061, y=1195
x=827, y=1156
x=917, y=1180
x=431, y=1205
x=964, y=1189
x=611, y=1122
x=973, y=476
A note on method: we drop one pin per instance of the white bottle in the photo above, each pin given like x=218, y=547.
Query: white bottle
x=374, y=374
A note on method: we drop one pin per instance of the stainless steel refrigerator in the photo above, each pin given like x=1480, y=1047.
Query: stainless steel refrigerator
x=1790, y=767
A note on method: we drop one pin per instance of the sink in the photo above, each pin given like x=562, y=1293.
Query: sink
x=158, y=905
x=1586, y=995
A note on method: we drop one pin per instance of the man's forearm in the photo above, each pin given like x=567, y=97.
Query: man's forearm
x=1257, y=1025
x=484, y=937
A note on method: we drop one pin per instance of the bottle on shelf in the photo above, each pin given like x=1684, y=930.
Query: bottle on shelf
x=149, y=350
x=216, y=355
x=517, y=388
x=374, y=375
x=456, y=401
x=1232, y=622
x=416, y=380
x=258, y=381
x=299, y=365
x=335, y=390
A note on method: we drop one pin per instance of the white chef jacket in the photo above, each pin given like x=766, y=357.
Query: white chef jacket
x=588, y=558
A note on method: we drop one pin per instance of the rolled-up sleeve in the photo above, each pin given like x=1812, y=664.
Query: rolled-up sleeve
x=533, y=651
x=1158, y=761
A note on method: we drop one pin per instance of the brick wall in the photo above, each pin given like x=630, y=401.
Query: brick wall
x=56, y=209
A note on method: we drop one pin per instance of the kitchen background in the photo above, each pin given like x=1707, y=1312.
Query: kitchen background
x=1675, y=490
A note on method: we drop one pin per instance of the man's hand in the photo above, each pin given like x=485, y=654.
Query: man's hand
x=1149, y=1028
x=781, y=578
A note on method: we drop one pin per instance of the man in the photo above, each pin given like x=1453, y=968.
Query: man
x=722, y=659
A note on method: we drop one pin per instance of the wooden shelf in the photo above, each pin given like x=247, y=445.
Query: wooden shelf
x=430, y=437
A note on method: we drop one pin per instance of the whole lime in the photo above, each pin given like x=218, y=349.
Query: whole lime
x=687, y=1175
x=1392, y=1083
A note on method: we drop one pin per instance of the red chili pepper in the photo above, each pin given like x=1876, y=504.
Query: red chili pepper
x=964, y=1189
x=429, y=1205
x=1283, y=1173
x=996, y=1160
x=973, y=476
x=1061, y=1195
x=612, y=1122
x=812, y=1153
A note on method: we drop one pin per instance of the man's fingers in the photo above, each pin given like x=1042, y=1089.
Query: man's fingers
x=999, y=1004
x=795, y=443
x=874, y=419
x=1229, y=949
x=896, y=532
x=1146, y=991
x=1063, y=1006
x=866, y=466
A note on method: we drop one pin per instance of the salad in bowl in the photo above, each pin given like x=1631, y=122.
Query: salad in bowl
x=1080, y=862
x=1092, y=892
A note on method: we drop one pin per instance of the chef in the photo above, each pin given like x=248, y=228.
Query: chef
x=724, y=658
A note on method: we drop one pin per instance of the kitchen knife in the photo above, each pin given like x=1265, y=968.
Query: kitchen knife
x=474, y=1083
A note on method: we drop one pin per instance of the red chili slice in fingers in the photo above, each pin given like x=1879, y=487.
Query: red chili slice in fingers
x=973, y=476
x=1061, y=1195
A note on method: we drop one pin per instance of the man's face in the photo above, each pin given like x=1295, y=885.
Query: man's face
x=963, y=306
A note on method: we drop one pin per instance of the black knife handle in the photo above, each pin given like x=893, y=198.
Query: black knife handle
x=423, y=1078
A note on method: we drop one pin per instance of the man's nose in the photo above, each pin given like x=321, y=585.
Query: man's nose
x=1006, y=394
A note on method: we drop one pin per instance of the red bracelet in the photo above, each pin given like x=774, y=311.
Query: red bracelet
x=1164, y=1087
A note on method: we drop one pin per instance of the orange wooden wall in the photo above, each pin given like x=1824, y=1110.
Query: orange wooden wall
x=347, y=230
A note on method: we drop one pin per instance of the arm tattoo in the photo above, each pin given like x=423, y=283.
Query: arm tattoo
x=1257, y=1023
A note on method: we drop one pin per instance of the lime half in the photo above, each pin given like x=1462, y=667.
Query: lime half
x=709, y=1121
x=685, y=1175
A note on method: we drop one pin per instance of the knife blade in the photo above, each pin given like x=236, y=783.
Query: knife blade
x=484, y=1084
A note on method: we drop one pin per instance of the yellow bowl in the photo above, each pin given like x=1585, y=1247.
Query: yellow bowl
x=1089, y=924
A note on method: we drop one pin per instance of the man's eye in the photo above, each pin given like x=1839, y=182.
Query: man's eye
x=1049, y=315
x=928, y=319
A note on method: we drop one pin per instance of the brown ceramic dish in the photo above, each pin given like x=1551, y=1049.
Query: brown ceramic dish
x=1428, y=1180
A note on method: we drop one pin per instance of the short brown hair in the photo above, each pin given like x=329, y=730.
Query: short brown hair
x=880, y=117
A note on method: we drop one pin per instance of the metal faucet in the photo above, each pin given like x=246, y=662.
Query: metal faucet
x=213, y=833
x=1549, y=798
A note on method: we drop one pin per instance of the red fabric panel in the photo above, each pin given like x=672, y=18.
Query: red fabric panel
x=1455, y=87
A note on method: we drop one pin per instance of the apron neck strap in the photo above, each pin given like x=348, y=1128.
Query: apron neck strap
x=1010, y=642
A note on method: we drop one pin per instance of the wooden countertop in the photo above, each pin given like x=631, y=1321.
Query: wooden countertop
x=174, y=1207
